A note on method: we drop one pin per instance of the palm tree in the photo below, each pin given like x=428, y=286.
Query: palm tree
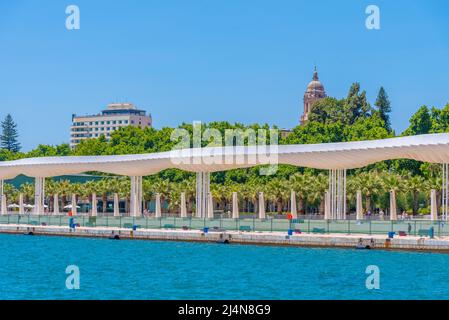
x=221, y=194
x=28, y=191
x=253, y=188
x=64, y=189
x=301, y=185
x=189, y=187
x=121, y=186
x=88, y=189
x=315, y=195
x=103, y=189
x=215, y=190
x=10, y=192
x=278, y=191
x=51, y=187
x=414, y=185
x=147, y=192
x=175, y=190
x=392, y=183
x=163, y=188
x=370, y=184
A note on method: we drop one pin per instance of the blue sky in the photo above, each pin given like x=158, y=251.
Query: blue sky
x=236, y=60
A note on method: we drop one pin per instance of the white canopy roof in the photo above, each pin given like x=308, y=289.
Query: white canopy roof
x=432, y=148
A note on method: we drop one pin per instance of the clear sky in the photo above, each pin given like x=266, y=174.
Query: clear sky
x=237, y=60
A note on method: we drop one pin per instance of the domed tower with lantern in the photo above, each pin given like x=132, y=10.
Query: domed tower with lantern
x=315, y=91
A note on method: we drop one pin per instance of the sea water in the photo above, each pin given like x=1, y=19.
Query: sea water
x=34, y=267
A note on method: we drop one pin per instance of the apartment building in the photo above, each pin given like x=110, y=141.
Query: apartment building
x=115, y=116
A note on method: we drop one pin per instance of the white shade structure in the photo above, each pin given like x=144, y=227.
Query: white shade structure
x=21, y=204
x=74, y=207
x=293, y=208
x=335, y=157
x=4, y=207
x=210, y=206
x=116, y=205
x=430, y=148
x=55, y=204
x=183, y=205
x=13, y=206
x=393, y=209
x=235, y=206
x=262, y=214
x=433, y=205
x=93, y=210
x=327, y=207
x=359, y=206
x=158, y=211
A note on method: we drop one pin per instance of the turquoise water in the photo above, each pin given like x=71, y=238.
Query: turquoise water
x=33, y=267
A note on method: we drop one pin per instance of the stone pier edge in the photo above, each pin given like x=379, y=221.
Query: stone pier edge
x=409, y=243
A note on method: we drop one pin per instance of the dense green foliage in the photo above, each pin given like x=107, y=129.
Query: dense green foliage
x=331, y=120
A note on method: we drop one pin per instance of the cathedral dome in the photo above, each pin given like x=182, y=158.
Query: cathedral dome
x=315, y=84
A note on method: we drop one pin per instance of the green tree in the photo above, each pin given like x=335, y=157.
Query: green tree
x=420, y=122
x=356, y=104
x=301, y=184
x=384, y=107
x=414, y=185
x=278, y=191
x=92, y=147
x=9, y=136
x=370, y=184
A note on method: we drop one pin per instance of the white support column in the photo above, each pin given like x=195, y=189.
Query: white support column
x=293, y=208
x=393, y=208
x=433, y=205
x=261, y=206
x=337, y=193
x=344, y=195
x=235, y=206
x=94, y=204
x=327, y=206
x=136, y=196
x=56, y=204
x=39, y=194
x=116, y=205
x=74, y=206
x=202, y=190
x=140, y=195
x=1, y=196
x=183, y=205
x=4, y=206
x=359, y=206
x=210, y=206
x=445, y=191
x=21, y=205
x=158, y=210
x=133, y=197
